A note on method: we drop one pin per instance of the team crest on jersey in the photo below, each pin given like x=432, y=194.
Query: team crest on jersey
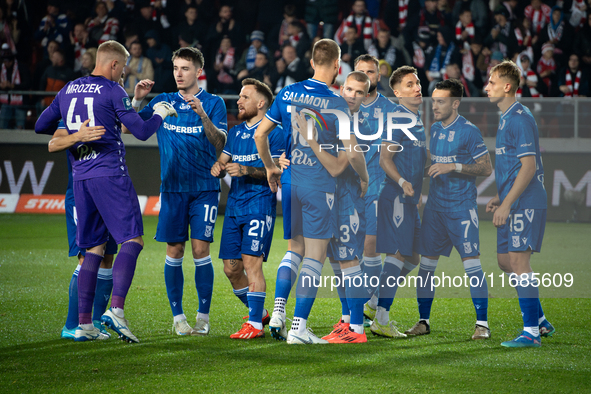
x=245, y=136
x=441, y=136
x=451, y=136
x=529, y=214
x=255, y=245
x=377, y=112
x=474, y=216
x=208, y=230
x=269, y=222
x=516, y=241
x=398, y=212
x=467, y=247
x=354, y=221
x=330, y=200
x=127, y=103
x=342, y=252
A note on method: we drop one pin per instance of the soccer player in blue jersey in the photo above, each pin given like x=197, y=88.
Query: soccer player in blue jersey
x=189, y=194
x=312, y=186
x=100, y=165
x=250, y=211
x=104, y=283
x=520, y=205
x=375, y=109
x=403, y=156
x=450, y=218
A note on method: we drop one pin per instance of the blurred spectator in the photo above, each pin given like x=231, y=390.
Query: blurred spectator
x=560, y=34
x=502, y=37
x=546, y=65
x=453, y=72
x=578, y=14
x=56, y=76
x=324, y=12
x=102, y=27
x=480, y=13
x=383, y=48
x=13, y=77
x=528, y=85
x=160, y=55
x=465, y=30
x=523, y=35
x=445, y=53
x=496, y=57
x=582, y=45
x=248, y=59
x=401, y=16
x=9, y=30
x=352, y=46
x=261, y=70
x=288, y=69
x=54, y=26
x=130, y=36
x=225, y=26
x=190, y=29
x=384, y=81
x=470, y=53
x=224, y=67
x=538, y=14
x=367, y=27
x=298, y=38
x=138, y=67
x=483, y=57
x=145, y=21
x=572, y=81
x=88, y=62
x=430, y=20
x=279, y=33
x=80, y=40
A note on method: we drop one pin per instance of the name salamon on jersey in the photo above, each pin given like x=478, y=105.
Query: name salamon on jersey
x=84, y=88
x=306, y=99
x=182, y=129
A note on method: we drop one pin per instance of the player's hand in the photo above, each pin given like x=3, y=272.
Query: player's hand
x=408, y=190
x=164, y=109
x=142, y=88
x=501, y=215
x=284, y=161
x=440, y=169
x=493, y=204
x=218, y=170
x=274, y=178
x=196, y=105
x=300, y=124
x=420, y=201
x=364, y=185
x=89, y=133
x=235, y=169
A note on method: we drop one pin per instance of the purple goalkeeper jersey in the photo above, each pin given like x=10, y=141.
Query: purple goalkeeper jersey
x=105, y=103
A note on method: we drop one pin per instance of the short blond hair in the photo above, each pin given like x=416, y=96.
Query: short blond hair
x=110, y=49
x=508, y=71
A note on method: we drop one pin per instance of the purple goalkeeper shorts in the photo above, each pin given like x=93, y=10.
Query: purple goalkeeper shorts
x=107, y=204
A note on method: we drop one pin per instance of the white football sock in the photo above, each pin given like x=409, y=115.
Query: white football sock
x=373, y=302
x=180, y=317
x=482, y=323
x=382, y=315
x=204, y=316
x=356, y=328
x=299, y=325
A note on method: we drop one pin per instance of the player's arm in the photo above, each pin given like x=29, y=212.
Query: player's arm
x=141, y=90
x=357, y=161
x=218, y=169
x=390, y=169
x=62, y=140
x=482, y=167
x=334, y=165
x=524, y=177
x=49, y=119
x=261, y=139
x=214, y=135
x=427, y=164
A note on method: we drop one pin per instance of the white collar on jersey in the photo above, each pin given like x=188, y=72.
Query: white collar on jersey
x=449, y=125
x=254, y=126
x=317, y=81
x=509, y=109
x=373, y=102
x=409, y=111
x=196, y=95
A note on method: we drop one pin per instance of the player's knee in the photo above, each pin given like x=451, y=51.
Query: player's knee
x=107, y=262
x=176, y=251
x=138, y=240
x=200, y=249
x=233, y=269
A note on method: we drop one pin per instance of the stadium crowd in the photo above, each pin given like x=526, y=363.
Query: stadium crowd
x=45, y=47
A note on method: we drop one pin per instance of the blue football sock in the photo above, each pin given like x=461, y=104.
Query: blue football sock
x=529, y=301
x=204, y=283
x=307, y=287
x=478, y=288
x=356, y=293
x=174, y=280
x=372, y=268
x=425, y=293
x=287, y=274
x=540, y=311
x=72, y=318
x=336, y=267
x=256, y=304
x=104, y=286
x=408, y=267
x=388, y=283
x=242, y=295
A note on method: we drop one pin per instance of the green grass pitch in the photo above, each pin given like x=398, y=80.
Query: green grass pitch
x=35, y=272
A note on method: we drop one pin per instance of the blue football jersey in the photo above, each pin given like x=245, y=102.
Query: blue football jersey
x=410, y=162
x=518, y=137
x=186, y=155
x=106, y=104
x=249, y=195
x=458, y=142
x=306, y=169
x=376, y=114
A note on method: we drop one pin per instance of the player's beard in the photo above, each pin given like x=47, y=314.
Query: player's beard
x=247, y=114
x=334, y=78
x=372, y=87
